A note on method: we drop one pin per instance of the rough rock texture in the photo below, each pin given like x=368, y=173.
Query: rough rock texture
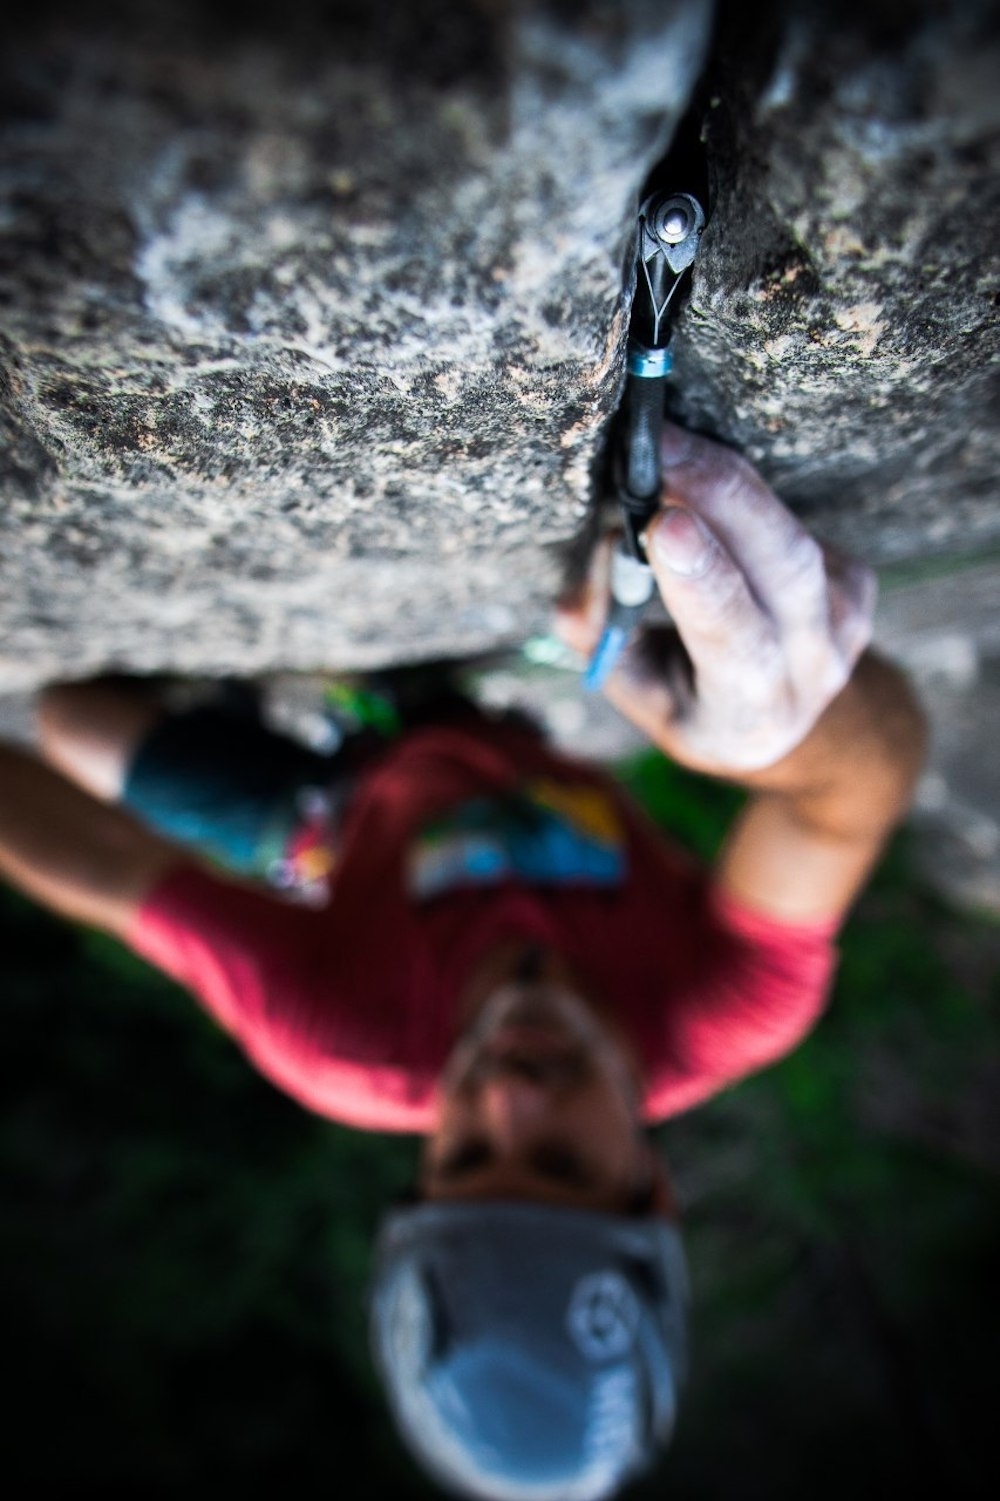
x=944, y=626
x=844, y=327
x=313, y=320
x=312, y=325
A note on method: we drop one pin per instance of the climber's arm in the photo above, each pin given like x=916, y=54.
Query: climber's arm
x=818, y=819
x=83, y=858
x=763, y=680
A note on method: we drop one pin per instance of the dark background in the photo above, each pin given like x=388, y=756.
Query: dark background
x=185, y=1252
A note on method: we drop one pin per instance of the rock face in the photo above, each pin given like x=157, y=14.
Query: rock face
x=844, y=326
x=313, y=324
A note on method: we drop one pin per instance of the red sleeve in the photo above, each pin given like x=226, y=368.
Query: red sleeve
x=241, y=952
x=759, y=987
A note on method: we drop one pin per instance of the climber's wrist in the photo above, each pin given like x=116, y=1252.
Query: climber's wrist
x=855, y=771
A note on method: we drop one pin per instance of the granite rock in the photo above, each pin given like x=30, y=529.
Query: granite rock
x=313, y=325
x=843, y=328
x=313, y=322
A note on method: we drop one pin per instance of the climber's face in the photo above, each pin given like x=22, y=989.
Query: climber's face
x=539, y=1101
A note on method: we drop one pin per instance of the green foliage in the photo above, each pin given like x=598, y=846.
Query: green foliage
x=184, y=1252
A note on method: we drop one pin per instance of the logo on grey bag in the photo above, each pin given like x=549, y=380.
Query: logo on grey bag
x=603, y=1315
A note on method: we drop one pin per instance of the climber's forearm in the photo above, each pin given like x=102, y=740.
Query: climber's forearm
x=853, y=774
x=82, y=858
x=819, y=818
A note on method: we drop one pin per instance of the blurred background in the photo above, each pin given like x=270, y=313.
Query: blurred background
x=185, y=1252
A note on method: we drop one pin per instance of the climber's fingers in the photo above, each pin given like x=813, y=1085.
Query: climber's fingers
x=731, y=640
x=783, y=565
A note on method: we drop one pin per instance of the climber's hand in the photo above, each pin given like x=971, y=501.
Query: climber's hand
x=767, y=622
